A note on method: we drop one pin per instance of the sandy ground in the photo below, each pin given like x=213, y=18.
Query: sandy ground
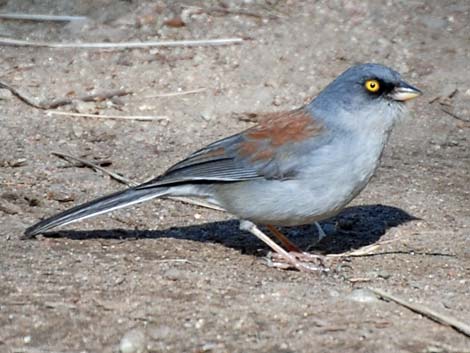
x=172, y=277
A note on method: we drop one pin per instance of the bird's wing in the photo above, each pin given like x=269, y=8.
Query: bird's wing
x=254, y=153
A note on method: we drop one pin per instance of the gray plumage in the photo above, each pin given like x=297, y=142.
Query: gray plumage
x=294, y=168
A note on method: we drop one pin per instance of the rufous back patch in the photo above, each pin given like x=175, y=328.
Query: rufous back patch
x=277, y=129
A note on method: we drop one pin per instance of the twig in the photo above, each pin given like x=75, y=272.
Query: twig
x=240, y=12
x=185, y=261
x=20, y=96
x=95, y=97
x=100, y=116
x=359, y=279
x=435, y=99
x=173, y=94
x=55, y=305
x=113, y=175
x=368, y=253
x=425, y=311
x=38, y=17
x=455, y=116
x=453, y=93
x=364, y=251
x=101, y=163
x=439, y=347
x=123, y=45
x=232, y=12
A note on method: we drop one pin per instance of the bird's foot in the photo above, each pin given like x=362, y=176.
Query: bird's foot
x=292, y=259
x=301, y=261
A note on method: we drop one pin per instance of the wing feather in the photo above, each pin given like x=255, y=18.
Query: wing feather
x=246, y=155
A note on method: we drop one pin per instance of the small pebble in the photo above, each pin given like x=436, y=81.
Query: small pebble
x=9, y=208
x=174, y=274
x=134, y=341
x=5, y=94
x=384, y=275
x=20, y=162
x=362, y=295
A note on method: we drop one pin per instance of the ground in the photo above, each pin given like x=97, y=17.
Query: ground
x=173, y=277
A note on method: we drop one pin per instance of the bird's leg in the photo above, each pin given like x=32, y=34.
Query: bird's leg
x=299, y=254
x=321, y=235
x=281, y=253
x=290, y=246
x=294, y=250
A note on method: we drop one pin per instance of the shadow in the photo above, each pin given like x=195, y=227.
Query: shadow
x=353, y=228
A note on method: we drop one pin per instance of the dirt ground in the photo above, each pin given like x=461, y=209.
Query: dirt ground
x=172, y=277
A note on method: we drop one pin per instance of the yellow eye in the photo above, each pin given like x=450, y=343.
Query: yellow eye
x=372, y=85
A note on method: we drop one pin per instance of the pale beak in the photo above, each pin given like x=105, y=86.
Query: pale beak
x=404, y=92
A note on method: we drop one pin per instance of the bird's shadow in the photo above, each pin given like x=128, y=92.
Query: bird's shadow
x=354, y=227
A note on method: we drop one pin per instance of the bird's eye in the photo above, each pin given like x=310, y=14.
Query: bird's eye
x=372, y=86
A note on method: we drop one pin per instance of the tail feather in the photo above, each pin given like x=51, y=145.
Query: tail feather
x=96, y=207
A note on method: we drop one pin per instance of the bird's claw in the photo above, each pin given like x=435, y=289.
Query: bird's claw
x=304, y=262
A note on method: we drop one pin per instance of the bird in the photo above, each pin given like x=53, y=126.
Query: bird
x=292, y=168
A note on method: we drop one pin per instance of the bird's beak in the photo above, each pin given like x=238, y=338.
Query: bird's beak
x=404, y=92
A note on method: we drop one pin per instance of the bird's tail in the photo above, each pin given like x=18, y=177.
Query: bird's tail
x=96, y=207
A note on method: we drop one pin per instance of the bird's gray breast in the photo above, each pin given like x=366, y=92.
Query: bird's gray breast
x=330, y=178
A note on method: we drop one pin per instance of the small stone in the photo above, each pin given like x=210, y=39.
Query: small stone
x=159, y=332
x=384, y=275
x=174, y=274
x=209, y=347
x=33, y=201
x=175, y=22
x=61, y=195
x=9, y=208
x=277, y=101
x=362, y=295
x=20, y=162
x=84, y=107
x=5, y=94
x=207, y=115
x=134, y=341
x=77, y=130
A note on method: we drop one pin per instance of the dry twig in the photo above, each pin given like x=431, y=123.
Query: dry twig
x=440, y=347
x=94, y=97
x=122, y=45
x=240, y=12
x=455, y=116
x=39, y=17
x=174, y=94
x=364, y=251
x=232, y=11
x=425, y=311
x=20, y=96
x=185, y=261
x=117, y=117
x=89, y=164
